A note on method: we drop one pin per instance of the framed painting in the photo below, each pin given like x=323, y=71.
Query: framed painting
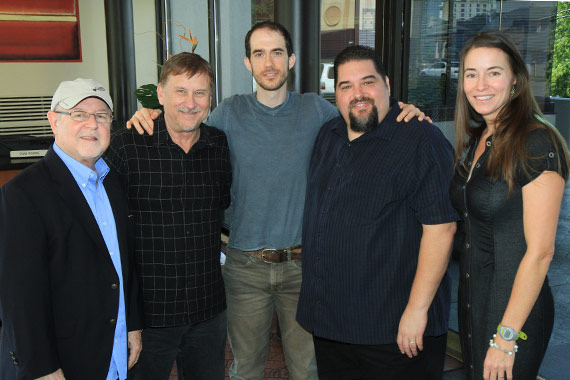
x=39, y=31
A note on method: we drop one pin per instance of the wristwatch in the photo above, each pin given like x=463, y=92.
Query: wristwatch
x=507, y=333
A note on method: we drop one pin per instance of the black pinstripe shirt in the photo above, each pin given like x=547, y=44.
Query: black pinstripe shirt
x=176, y=200
x=366, y=202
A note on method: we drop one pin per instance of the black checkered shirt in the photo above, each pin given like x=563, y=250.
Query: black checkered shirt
x=176, y=200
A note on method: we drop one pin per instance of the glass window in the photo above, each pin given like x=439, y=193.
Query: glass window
x=343, y=23
x=439, y=29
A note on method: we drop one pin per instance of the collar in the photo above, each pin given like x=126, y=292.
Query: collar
x=81, y=173
x=272, y=111
x=162, y=137
x=384, y=130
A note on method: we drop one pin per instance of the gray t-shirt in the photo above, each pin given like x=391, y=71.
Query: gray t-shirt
x=270, y=149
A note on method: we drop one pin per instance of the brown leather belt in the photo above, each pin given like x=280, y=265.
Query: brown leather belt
x=274, y=255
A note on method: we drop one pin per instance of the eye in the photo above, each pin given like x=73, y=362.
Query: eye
x=277, y=53
x=181, y=91
x=345, y=87
x=367, y=83
x=495, y=73
x=200, y=93
x=258, y=55
x=79, y=115
x=469, y=75
x=103, y=117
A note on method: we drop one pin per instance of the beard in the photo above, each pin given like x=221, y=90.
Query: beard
x=366, y=123
x=281, y=79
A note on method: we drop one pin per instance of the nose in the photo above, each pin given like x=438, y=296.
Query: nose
x=190, y=101
x=481, y=82
x=357, y=91
x=267, y=61
x=91, y=122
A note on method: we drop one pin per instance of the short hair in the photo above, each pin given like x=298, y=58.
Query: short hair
x=358, y=53
x=271, y=25
x=189, y=64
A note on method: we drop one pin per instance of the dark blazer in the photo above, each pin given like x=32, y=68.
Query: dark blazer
x=59, y=291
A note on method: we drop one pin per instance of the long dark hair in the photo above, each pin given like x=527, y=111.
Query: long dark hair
x=514, y=120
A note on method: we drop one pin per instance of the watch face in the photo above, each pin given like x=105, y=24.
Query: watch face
x=507, y=333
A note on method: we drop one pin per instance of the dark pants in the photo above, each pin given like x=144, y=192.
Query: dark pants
x=199, y=350
x=344, y=361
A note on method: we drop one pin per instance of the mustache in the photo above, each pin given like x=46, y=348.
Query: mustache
x=363, y=99
x=188, y=110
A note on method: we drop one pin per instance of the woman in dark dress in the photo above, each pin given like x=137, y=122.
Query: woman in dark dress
x=511, y=169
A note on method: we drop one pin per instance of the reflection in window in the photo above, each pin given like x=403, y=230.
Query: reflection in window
x=440, y=28
x=343, y=23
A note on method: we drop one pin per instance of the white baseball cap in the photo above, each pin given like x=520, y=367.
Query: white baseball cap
x=69, y=93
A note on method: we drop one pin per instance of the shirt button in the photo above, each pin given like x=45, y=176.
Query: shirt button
x=469, y=306
x=465, y=214
x=104, y=223
x=467, y=245
x=469, y=336
x=112, y=321
x=488, y=143
x=338, y=165
x=477, y=165
x=114, y=286
x=551, y=154
x=466, y=275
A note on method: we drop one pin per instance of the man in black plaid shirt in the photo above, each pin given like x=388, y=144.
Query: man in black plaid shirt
x=179, y=184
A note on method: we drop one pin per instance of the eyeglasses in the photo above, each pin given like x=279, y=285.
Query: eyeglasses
x=100, y=117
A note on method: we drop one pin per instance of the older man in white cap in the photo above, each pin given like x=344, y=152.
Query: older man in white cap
x=68, y=294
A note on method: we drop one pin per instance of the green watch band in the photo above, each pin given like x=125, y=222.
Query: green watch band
x=510, y=334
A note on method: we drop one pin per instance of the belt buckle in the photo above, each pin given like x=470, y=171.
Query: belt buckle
x=263, y=254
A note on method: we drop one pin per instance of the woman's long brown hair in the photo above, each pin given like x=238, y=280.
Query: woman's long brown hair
x=514, y=121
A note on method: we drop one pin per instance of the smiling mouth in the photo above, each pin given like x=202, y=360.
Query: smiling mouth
x=89, y=138
x=361, y=104
x=487, y=97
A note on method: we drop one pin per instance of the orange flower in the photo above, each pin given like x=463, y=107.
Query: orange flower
x=192, y=40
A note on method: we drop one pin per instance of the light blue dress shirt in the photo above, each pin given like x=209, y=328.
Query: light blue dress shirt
x=91, y=184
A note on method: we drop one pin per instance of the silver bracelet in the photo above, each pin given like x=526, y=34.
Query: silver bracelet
x=496, y=346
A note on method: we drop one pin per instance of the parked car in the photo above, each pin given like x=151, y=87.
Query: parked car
x=439, y=69
x=327, y=79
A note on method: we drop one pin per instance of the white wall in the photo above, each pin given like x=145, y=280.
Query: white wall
x=41, y=79
x=145, y=41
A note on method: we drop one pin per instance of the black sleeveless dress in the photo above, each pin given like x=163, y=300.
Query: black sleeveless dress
x=491, y=249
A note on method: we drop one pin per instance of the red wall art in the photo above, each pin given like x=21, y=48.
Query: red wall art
x=39, y=31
